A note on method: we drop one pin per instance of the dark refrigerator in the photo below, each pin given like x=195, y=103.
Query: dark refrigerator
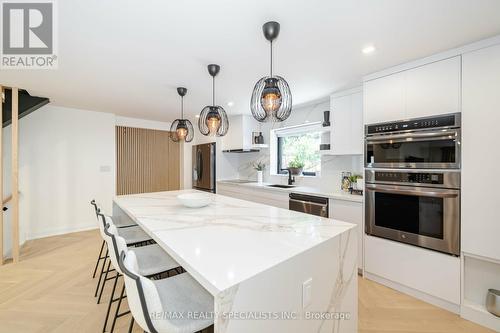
x=204, y=167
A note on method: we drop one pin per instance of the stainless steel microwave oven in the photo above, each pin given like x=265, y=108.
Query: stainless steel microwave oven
x=421, y=143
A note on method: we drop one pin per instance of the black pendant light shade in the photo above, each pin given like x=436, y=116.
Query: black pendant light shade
x=213, y=118
x=271, y=96
x=182, y=129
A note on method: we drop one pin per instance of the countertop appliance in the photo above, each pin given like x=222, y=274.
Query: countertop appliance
x=204, y=167
x=308, y=204
x=420, y=143
x=419, y=207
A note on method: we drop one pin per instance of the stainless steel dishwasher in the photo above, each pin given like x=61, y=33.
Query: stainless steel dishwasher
x=308, y=204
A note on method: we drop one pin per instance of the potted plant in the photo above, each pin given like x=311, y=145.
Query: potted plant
x=259, y=166
x=355, y=183
x=296, y=166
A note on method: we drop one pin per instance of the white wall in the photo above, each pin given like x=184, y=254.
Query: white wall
x=66, y=158
x=142, y=123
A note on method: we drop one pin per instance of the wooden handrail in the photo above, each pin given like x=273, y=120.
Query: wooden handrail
x=6, y=200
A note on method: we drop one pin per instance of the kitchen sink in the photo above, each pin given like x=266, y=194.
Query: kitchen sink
x=281, y=186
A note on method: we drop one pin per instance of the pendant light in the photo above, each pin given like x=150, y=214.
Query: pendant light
x=271, y=96
x=213, y=118
x=182, y=129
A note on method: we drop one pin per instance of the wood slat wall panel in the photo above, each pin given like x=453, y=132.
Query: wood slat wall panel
x=146, y=161
x=174, y=172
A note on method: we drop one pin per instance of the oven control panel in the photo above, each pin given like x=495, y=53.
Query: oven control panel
x=409, y=177
x=416, y=124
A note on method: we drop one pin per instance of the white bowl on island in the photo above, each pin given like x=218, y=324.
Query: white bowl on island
x=195, y=200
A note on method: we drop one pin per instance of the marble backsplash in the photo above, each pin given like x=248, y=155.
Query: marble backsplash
x=329, y=178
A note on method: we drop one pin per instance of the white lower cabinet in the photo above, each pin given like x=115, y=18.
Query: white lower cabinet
x=433, y=276
x=352, y=212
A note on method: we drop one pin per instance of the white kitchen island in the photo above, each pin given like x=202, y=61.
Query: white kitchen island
x=269, y=269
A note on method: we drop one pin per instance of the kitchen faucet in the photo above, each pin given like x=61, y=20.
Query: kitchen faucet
x=291, y=179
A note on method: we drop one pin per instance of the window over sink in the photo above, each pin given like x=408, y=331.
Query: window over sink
x=296, y=146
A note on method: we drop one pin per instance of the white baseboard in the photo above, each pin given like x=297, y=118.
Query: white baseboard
x=455, y=308
x=479, y=315
x=61, y=231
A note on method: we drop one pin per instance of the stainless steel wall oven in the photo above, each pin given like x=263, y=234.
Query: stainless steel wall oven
x=415, y=206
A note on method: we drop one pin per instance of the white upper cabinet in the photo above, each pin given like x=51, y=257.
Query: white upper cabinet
x=480, y=157
x=347, y=123
x=239, y=135
x=427, y=90
x=384, y=99
x=433, y=89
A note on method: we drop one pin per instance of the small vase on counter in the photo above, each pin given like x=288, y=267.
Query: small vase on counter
x=259, y=167
x=260, y=175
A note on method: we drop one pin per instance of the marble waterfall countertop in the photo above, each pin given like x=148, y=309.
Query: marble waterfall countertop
x=230, y=240
x=269, y=269
x=297, y=189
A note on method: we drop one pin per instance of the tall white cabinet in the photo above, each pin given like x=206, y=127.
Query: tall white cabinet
x=480, y=153
x=426, y=90
x=480, y=182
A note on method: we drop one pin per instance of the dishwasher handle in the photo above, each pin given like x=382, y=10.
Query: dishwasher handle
x=308, y=204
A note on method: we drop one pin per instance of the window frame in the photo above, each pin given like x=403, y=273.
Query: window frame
x=278, y=134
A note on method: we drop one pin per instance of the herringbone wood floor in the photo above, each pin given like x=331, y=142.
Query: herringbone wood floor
x=51, y=290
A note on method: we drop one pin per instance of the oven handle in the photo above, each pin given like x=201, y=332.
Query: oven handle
x=437, y=193
x=434, y=134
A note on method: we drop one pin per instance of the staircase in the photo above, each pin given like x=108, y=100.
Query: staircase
x=27, y=104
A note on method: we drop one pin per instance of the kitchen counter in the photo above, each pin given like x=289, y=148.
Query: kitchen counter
x=297, y=189
x=257, y=260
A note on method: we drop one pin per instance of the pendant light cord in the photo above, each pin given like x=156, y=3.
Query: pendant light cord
x=213, y=90
x=271, y=58
x=182, y=107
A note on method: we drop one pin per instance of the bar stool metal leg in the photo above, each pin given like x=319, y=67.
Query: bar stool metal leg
x=131, y=326
x=111, y=300
x=102, y=273
x=118, y=309
x=99, y=259
x=104, y=281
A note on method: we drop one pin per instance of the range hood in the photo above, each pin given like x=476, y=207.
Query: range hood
x=239, y=137
x=27, y=104
x=241, y=150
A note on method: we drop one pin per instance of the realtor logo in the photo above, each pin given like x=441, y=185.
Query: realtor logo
x=28, y=31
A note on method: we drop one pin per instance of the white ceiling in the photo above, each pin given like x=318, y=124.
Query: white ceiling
x=127, y=57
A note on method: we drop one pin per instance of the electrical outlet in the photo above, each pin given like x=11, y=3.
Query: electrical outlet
x=306, y=293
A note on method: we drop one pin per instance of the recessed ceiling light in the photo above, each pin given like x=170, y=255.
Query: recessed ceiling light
x=368, y=49
x=197, y=116
x=230, y=104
